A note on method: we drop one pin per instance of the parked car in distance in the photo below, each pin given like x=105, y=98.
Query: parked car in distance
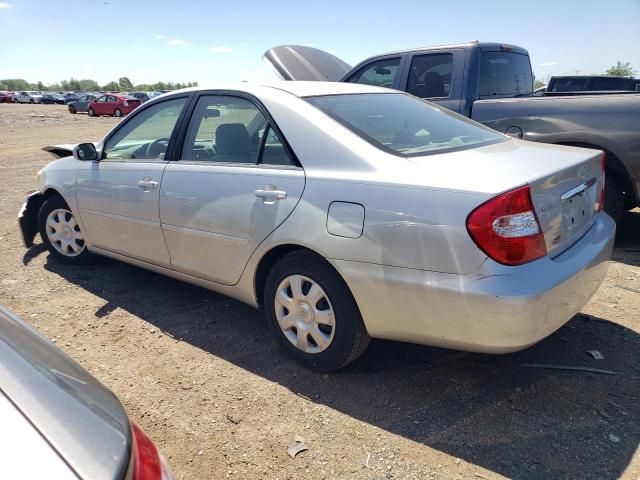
x=27, y=97
x=142, y=96
x=592, y=83
x=53, y=98
x=492, y=83
x=347, y=211
x=58, y=421
x=6, y=97
x=81, y=104
x=71, y=96
x=115, y=104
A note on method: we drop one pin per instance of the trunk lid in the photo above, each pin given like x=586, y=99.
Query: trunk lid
x=565, y=181
x=298, y=62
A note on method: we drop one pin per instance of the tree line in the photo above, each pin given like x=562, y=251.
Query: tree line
x=87, y=85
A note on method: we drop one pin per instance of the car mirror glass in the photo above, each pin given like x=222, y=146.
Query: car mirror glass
x=85, y=152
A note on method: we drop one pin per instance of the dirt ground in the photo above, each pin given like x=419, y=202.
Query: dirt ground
x=201, y=375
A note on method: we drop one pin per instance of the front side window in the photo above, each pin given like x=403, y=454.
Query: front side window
x=381, y=73
x=102, y=99
x=145, y=135
x=405, y=125
x=226, y=129
x=604, y=83
x=430, y=75
x=504, y=74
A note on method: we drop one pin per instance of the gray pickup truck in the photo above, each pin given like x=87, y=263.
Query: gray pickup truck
x=492, y=83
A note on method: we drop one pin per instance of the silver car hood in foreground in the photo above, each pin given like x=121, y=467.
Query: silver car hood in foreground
x=80, y=418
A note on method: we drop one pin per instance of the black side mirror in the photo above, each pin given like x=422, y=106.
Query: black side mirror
x=85, y=152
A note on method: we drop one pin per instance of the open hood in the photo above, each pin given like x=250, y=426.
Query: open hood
x=297, y=62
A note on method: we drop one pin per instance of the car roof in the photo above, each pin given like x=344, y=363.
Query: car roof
x=296, y=88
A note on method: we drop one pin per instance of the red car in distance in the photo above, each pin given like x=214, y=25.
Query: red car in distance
x=6, y=97
x=115, y=104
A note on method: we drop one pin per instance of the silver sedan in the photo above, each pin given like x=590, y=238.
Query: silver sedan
x=347, y=212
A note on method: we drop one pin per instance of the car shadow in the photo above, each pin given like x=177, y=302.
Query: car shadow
x=489, y=410
x=628, y=239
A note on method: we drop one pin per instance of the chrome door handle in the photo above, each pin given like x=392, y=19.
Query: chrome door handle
x=147, y=184
x=270, y=194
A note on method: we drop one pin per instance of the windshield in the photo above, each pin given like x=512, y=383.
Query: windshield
x=504, y=74
x=404, y=125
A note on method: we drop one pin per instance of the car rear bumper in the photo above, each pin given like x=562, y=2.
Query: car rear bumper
x=498, y=309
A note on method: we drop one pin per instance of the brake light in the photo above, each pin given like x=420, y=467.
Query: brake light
x=147, y=462
x=126, y=104
x=506, y=228
x=600, y=204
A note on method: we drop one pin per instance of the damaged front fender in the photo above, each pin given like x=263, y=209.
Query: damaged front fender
x=28, y=217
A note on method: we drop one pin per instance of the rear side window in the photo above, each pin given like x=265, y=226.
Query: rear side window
x=504, y=74
x=430, y=75
x=603, y=83
x=381, y=73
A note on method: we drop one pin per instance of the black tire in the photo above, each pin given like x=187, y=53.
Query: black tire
x=15, y=100
x=72, y=109
x=31, y=101
x=117, y=112
x=614, y=198
x=90, y=112
x=55, y=203
x=350, y=338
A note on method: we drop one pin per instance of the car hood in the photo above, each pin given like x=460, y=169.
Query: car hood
x=79, y=417
x=299, y=62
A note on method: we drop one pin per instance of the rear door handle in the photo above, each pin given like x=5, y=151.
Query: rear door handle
x=270, y=194
x=147, y=184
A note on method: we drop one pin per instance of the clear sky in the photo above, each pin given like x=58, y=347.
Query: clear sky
x=206, y=41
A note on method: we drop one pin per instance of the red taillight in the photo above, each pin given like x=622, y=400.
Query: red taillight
x=506, y=228
x=600, y=204
x=147, y=462
x=126, y=104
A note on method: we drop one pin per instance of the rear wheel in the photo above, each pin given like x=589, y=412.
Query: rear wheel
x=613, y=197
x=117, y=112
x=312, y=313
x=61, y=233
x=72, y=109
x=91, y=113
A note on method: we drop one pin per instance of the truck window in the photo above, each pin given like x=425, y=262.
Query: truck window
x=504, y=74
x=604, y=83
x=569, y=85
x=430, y=75
x=381, y=73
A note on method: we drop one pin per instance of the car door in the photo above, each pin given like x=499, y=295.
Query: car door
x=232, y=183
x=118, y=195
x=98, y=105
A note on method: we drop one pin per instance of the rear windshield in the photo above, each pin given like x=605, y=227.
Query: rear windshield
x=404, y=125
x=504, y=74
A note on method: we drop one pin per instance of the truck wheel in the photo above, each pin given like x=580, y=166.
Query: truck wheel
x=312, y=313
x=61, y=233
x=613, y=198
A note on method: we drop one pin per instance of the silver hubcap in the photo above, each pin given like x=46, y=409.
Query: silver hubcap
x=304, y=314
x=64, y=233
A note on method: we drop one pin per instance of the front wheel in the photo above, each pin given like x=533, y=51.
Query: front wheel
x=31, y=101
x=61, y=233
x=91, y=113
x=117, y=112
x=312, y=313
x=72, y=109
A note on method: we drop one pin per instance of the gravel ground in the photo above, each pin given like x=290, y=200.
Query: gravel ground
x=201, y=375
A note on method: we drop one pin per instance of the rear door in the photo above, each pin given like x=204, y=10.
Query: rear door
x=234, y=181
x=437, y=76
